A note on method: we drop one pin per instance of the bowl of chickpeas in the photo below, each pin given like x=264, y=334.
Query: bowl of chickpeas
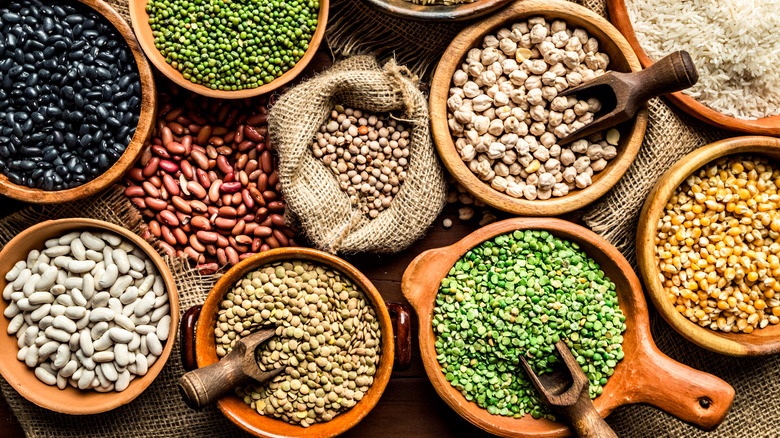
x=708, y=246
x=497, y=116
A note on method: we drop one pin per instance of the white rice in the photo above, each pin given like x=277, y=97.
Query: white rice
x=735, y=45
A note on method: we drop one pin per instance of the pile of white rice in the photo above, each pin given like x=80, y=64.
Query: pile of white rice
x=735, y=45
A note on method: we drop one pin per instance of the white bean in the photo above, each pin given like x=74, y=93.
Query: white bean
x=68, y=238
x=85, y=342
x=164, y=327
x=86, y=379
x=155, y=347
x=15, y=324
x=120, y=335
x=101, y=314
x=122, y=381
x=109, y=277
x=121, y=355
x=13, y=274
x=92, y=242
x=141, y=364
x=109, y=371
x=45, y=376
x=103, y=356
x=62, y=322
x=120, y=285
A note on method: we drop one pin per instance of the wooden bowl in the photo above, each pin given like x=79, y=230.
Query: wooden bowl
x=618, y=14
x=645, y=375
x=140, y=22
x=71, y=400
x=762, y=341
x=622, y=59
x=239, y=412
x=460, y=12
x=142, y=131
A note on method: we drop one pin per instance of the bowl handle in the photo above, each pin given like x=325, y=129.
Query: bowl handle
x=188, y=322
x=690, y=395
x=402, y=329
x=418, y=277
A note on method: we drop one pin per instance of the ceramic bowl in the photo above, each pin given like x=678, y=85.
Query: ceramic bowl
x=140, y=20
x=432, y=12
x=761, y=341
x=645, y=375
x=132, y=152
x=618, y=14
x=622, y=59
x=240, y=413
x=21, y=377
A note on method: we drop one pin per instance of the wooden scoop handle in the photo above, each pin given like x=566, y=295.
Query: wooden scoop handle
x=203, y=386
x=585, y=419
x=673, y=73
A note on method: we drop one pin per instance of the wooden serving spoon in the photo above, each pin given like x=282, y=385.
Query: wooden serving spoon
x=621, y=94
x=565, y=390
x=203, y=386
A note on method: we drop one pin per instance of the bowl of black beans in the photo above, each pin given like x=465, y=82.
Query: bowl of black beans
x=77, y=99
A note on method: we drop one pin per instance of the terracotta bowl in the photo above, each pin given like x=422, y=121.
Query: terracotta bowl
x=645, y=375
x=618, y=14
x=142, y=131
x=71, y=400
x=761, y=341
x=622, y=59
x=460, y=12
x=140, y=21
x=204, y=346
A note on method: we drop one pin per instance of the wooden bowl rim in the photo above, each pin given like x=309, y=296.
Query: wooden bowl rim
x=445, y=146
x=437, y=13
x=637, y=322
x=618, y=14
x=140, y=22
x=29, y=386
x=234, y=408
x=648, y=226
x=132, y=151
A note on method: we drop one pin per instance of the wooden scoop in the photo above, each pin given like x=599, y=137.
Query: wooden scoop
x=566, y=391
x=204, y=386
x=621, y=94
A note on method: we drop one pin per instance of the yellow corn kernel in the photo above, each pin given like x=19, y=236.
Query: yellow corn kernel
x=776, y=311
x=759, y=304
x=722, y=305
x=752, y=276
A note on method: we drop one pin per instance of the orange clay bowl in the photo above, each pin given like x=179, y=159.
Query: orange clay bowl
x=131, y=153
x=618, y=14
x=645, y=375
x=239, y=412
x=622, y=58
x=71, y=400
x=762, y=341
x=140, y=21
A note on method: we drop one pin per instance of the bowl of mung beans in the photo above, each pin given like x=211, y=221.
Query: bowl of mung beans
x=707, y=246
x=517, y=287
x=335, y=339
x=230, y=50
x=77, y=102
x=497, y=117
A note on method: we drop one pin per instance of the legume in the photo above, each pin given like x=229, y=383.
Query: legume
x=232, y=45
x=328, y=337
x=90, y=311
x=367, y=152
x=717, y=245
x=520, y=293
x=208, y=182
x=70, y=94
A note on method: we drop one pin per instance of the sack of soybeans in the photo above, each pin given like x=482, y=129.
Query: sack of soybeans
x=356, y=160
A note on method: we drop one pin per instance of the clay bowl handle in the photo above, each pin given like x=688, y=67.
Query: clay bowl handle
x=188, y=322
x=688, y=394
x=402, y=328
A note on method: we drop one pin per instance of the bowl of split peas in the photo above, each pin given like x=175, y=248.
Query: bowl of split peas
x=708, y=246
x=233, y=51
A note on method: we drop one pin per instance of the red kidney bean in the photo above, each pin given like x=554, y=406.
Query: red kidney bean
x=186, y=169
x=223, y=165
x=134, y=190
x=196, y=189
x=277, y=220
x=243, y=178
x=266, y=162
x=156, y=181
x=281, y=237
x=263, y=231
x=269, y=195
x=160, y=151
x=225, y=223
x=198, y=206
x=166, y=135
x=203, y=178
x=154, y=228
x=168, y=249
x=201, y=160
x=150, y=189
x=222, y=241
x=169, y=166
x=214, y=191
x=195, y=243
x=222, y=257
x=246, y=145
x=151, y=167
x=204, y=134
x=232, y=255
x=180, y=236
x=207, y=236
x=170, y=185
x=176, y=148
x=182, y=205
x=272, y=242
x=167, y=235
x=230, y=187
x=227, y=212
x=136, y=174
x=236, y=198
x=276, y=206
x=211, y=250
x=252, y=134
x=169, y=218
x=173, y=114
x=243, y=239
x=201, y=223
x=155, y=204
x=176, y=128
x=247, y=198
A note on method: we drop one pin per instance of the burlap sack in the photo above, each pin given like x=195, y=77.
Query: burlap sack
x=315, y=202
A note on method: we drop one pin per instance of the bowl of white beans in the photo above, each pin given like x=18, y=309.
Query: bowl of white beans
x=90, y=315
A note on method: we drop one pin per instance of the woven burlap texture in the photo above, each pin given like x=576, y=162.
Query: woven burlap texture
x=314, y=200
x=159, y=411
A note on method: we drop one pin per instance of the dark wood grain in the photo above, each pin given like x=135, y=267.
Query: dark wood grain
x=188, y=322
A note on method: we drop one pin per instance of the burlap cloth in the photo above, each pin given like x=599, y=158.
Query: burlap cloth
x=354, y=28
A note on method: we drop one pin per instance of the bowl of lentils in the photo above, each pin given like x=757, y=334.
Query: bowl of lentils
x=497, y=117
x=334, y=338
x=77, y=99
x=229, y=50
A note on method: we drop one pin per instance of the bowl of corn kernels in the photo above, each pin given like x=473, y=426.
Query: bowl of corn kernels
x=708, y=246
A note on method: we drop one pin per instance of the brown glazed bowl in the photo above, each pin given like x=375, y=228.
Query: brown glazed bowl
x=618, y=14
x=21, y=377
x=142, y=131
x=762, y=341
x=140, y=21
x=645, y=375
x=622, y=58
x=202, y=320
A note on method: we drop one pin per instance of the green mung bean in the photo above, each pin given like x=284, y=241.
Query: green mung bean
x=520, y=293
x=232, y=44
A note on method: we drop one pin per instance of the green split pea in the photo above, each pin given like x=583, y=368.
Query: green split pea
x=520, y=293
x=232, y=44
